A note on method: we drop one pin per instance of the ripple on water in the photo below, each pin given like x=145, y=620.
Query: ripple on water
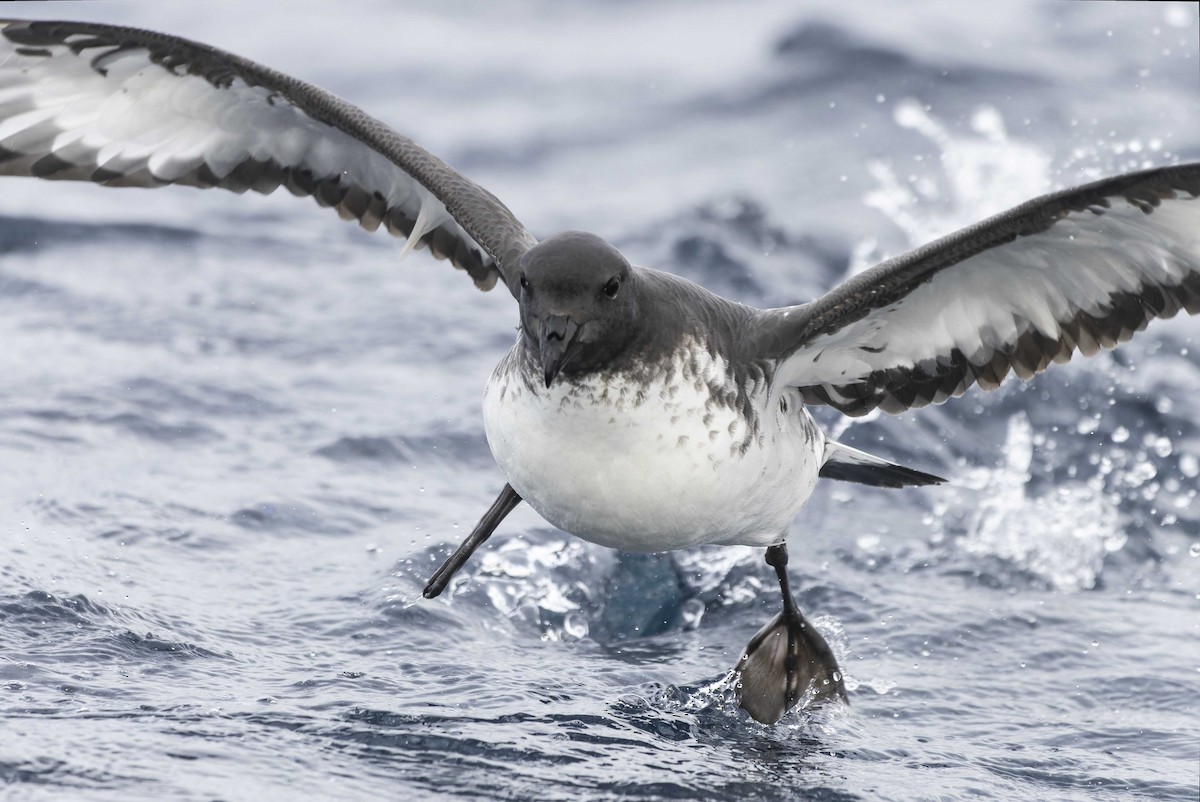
x=439, y=447
x=289, y=374
x=46, y=632
x=53, y=772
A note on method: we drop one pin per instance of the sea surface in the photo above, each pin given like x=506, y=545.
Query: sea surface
x=237, y=435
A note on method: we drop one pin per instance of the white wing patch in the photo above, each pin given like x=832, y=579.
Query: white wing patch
x=1089, y=281
x=119, y=118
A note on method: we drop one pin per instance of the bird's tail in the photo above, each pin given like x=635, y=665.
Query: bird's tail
x=851, y=465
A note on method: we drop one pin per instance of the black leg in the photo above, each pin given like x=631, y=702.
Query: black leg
x=501, y=507
x=786, y=658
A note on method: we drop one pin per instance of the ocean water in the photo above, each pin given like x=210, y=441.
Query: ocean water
x=237, y=435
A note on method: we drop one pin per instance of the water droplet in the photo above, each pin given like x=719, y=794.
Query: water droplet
x=575, y=625
x=1176, y=15
x=1189, y=466
x=881, y=686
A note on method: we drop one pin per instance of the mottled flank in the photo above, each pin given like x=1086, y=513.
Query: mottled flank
x=734, y=393
x=600, y=454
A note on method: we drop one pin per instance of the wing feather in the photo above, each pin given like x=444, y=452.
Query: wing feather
x=127, y=107
x=1077, y=270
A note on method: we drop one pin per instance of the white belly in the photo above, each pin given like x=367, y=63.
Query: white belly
x=639, y=468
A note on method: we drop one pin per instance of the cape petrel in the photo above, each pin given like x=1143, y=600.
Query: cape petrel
x=636, y=409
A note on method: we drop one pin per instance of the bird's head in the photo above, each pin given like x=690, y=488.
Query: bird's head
x=578, y=299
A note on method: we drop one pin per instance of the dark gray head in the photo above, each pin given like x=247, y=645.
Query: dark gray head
x=578, y=300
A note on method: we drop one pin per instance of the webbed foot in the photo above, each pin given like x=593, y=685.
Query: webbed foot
x=786, y=660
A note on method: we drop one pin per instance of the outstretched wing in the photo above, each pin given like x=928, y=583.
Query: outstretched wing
x=1081, y=269
x=127, y=107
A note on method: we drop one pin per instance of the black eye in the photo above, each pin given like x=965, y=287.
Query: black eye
x=524, y=283
x=612, y=287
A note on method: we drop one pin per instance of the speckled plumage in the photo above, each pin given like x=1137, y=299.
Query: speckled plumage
x=636, y=409
x=678, y=456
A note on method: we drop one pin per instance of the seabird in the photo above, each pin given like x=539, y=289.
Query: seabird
x=636, y=409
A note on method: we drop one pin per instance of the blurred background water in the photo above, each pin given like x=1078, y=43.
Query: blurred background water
x=237, y=435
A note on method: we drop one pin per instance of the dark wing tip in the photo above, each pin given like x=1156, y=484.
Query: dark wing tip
x=878, y=475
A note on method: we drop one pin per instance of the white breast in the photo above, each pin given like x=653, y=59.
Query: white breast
x=658, y=464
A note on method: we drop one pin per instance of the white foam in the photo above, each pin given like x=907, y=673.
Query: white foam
x=1062, y=537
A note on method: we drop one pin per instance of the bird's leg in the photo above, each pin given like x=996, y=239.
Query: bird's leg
x=786, y=658
x=501, y=507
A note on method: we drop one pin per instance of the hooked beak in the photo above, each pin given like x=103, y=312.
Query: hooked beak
x=557, y=344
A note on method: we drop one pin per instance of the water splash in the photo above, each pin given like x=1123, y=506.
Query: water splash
x=543, y=583
x=722, y=575
x=720, y=694
x=1063, y=536
x=981, y=173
